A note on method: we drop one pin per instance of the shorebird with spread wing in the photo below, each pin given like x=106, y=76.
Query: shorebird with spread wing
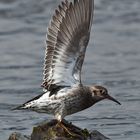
x=67, y=38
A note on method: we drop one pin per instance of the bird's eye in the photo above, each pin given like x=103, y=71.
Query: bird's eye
x=103, y=92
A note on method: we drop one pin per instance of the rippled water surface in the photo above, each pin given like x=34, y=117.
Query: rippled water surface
x=112, y=60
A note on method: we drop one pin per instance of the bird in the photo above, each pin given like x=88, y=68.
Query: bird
x=67, y=38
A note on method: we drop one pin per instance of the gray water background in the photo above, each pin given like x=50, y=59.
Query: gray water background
x=112, y=60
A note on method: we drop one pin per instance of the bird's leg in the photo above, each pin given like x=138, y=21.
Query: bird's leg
x=60, y=124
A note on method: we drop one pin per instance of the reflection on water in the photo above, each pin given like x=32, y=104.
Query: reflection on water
x=112, y=60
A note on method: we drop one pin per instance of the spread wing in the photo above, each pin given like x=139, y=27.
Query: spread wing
x=67, y=38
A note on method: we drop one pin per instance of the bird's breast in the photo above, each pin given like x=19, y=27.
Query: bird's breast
x=77, y=101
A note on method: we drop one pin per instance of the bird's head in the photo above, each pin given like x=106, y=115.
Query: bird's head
x=100, y=93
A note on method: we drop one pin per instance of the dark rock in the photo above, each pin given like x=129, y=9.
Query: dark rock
x=64, y=131
x=53, y=131
x=95, y=135
x=18, y=136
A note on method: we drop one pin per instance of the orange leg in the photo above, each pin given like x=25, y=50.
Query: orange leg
x=60, y=124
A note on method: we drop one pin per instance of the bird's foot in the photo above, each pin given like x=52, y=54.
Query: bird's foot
x=60, y=124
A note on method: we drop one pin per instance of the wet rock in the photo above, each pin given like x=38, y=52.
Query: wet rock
x=64, y=131
x=95, y=135
x=18, y=136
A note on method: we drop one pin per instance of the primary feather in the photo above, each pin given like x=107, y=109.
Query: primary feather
x=67, y=38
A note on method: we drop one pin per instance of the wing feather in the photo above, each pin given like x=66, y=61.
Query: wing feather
x=67, y=38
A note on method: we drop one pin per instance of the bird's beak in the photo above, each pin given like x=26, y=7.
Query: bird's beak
x=113, y=99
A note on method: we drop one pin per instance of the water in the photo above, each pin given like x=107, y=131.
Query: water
x=112, y=60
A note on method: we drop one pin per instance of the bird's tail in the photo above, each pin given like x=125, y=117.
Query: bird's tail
x=26, y=104
x=20, y=107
